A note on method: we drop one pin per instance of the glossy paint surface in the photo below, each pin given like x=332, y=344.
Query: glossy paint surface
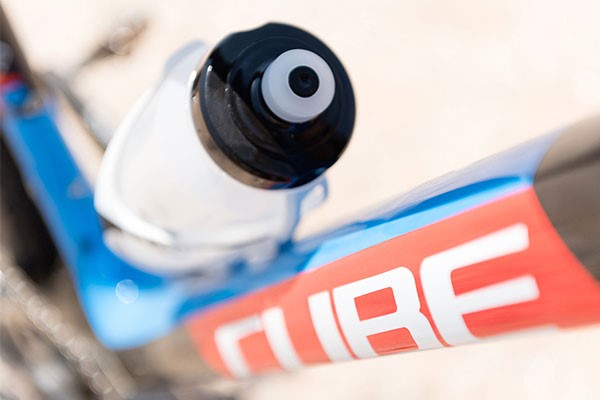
x=496, y=269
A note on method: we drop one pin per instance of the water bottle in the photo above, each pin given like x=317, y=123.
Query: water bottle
x=219, y=160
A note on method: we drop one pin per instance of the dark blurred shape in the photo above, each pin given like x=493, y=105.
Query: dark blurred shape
x=568, y=186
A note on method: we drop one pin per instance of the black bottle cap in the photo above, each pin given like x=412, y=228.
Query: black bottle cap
x=240, y=131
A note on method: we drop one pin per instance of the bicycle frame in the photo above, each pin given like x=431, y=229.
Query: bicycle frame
x=478, y=253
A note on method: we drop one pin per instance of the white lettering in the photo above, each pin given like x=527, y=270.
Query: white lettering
x=447, y=309
x=279, y=338
x=227, y=338
x=321, y=313
x=407, y=314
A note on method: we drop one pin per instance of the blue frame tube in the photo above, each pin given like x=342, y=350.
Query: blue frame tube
x=127, y=307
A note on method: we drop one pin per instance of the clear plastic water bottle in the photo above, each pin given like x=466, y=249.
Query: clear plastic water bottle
x=219, y=160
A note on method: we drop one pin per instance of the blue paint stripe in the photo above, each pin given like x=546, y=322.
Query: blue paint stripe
x=354, y=242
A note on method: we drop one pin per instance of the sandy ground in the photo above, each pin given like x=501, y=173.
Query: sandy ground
x=439, y=85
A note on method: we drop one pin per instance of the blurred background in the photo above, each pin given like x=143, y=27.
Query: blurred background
x=438, y=86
